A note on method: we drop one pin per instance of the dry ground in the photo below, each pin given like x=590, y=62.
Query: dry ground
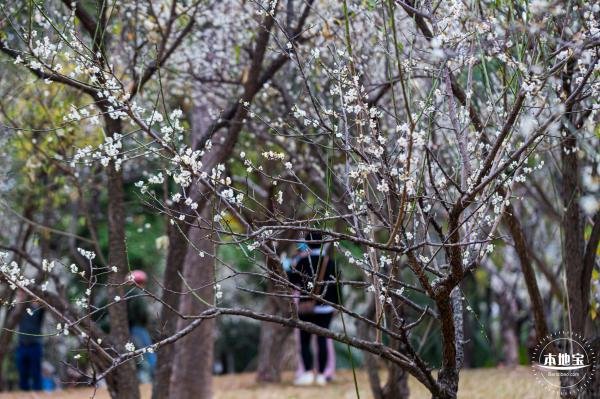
x=474, y=384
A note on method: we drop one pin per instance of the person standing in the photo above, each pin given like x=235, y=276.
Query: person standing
x=314, y=272
x=29, y=348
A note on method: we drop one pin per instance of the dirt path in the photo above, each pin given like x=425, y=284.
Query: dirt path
x=474, y=384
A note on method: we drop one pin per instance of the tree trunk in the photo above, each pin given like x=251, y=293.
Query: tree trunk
x=274, y=338
x=508, y=323
x=458, y=316
x=13, y=313
x=178, y=247
x=396, y=386
x=573, y=244
x=176, y=254
x=12, y=318
x=448, y=375
x=122, y=382
x=522, y=249
x=223, y=142
x=593, y=391
x=274, y=341
x=193, y=354
x=372, y=363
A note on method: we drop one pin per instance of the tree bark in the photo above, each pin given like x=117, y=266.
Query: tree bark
x=573, y=245
x=448, y=375
x=274, y=341
x=223, y=141
x=522, y=249
x=573, y=235
x=396, y=386
x=193, y=354
x=458, y=316
x=593, y=391
x=592, y=327
x=508, y=323
x=12, y=318
x=122, y=383
x=176, y=254
x=274, y=338
x=178, y=247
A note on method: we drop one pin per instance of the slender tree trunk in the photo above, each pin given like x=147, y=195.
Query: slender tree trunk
x=593, y=391
x=223, y=141
x=13, y=313
x=274, y=341
x=573, y=244
x=122, y=383
x=458, y=316
x=522, y=249
x=178, y=247
x=274, y=338
x=592, y=327
x=372, y=363
x=168, y=319
x=573, y=236
x=193, y=354
x=448, y=375
x=396, y=386
x=13, y=316
x=508, y=323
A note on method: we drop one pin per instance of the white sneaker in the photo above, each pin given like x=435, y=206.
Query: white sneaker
x=321, y=380
x=306, y=378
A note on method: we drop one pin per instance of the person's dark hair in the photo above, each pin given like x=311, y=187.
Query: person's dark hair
x=312, y=237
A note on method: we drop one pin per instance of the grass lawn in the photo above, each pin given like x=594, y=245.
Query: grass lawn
x=474, y=384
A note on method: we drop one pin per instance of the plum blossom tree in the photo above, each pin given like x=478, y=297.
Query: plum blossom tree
x=415, y=137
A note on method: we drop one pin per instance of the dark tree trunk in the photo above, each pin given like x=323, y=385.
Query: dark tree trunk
x=578, y=264
x=223, y=141
x=193, y=354
x=168, y=319
x=122, y=382
x=396, y=386
x=593, y=391
x=574, y=241
x=13, y=313
x=178, y=247
x=522, y=249
x=573, y=245
x=274, y=338
x=458, y=317
x=372, y=362
x=274, y=343
x=509, y=327
x=448, y=375
x=13, y=316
